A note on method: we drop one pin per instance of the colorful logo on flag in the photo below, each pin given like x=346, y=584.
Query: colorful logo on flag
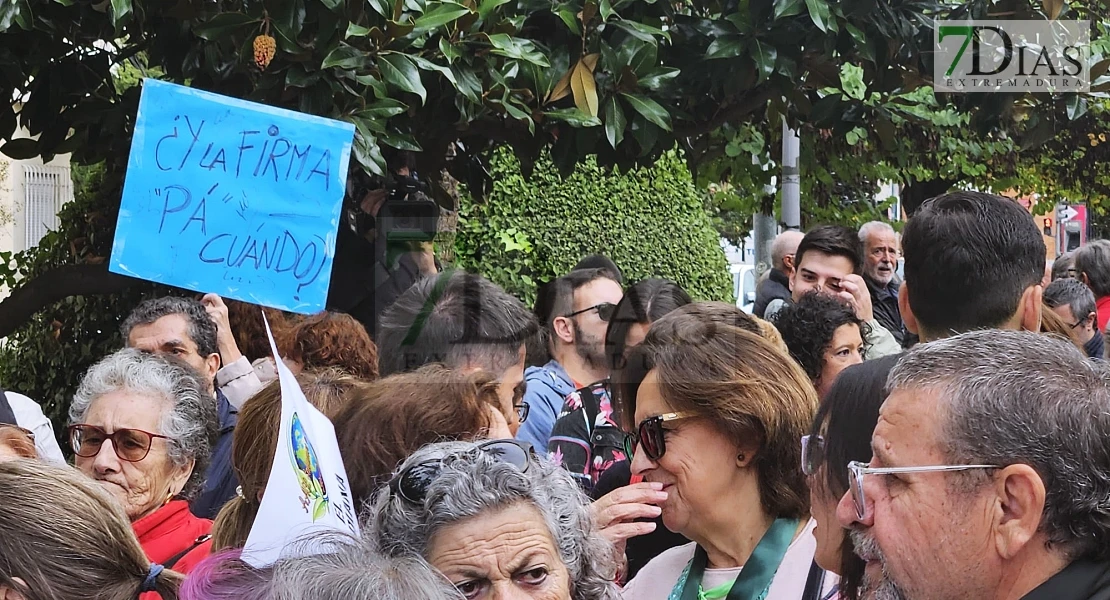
x=307, y=467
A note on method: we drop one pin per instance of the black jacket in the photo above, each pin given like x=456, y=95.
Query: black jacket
x=1081, y=580
x=776, y=286
x=884, y=303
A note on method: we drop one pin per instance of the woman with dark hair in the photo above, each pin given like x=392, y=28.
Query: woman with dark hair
x=841, y=433
x=824, y=335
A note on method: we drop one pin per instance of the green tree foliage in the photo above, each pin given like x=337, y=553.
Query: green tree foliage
x=650, y=221
x=623, y=79
x=46, y=357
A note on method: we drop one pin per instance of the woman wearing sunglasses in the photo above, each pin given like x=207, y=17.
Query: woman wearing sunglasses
x=719, y=410
x=496, y=521
x=841, y=433
x=143, y=427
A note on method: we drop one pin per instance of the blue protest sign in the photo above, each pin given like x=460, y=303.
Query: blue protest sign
x=228, y=196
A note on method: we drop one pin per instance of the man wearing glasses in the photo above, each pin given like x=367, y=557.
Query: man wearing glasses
x=574, y=311
x=991, y=474
x=1075, y=304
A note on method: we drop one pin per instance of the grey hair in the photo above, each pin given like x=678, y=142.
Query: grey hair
x=1093, y=260
x=1073, y=293
x=202, y=329
x=782, y=245
x=1061, y=265
x=1026, y=398
x=191, y=423
x=472, y=483
x=352, y=569
x=871, y=227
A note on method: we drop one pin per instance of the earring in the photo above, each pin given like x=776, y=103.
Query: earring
x=740, y=457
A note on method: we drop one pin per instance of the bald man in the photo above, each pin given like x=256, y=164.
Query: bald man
x=777, y=283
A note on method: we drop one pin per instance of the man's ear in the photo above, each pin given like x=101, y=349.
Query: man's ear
x=9, y=593
x=563, y=329
x=1020, y=497
x=788, y=262
x=211, y=366
x=904, y=308
x=1031, y=306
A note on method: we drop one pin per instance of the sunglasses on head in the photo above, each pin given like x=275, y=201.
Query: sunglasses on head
x=649, y=435
x=412, y=482
x=131, y=445
x=605, y=311
x=813, y=454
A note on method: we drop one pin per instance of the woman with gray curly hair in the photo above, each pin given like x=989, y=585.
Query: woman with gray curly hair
x=143, y=427
x=497, y=521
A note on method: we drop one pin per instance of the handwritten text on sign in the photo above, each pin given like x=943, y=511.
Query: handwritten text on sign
x=233, y=197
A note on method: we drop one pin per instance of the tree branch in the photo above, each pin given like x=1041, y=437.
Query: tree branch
x=54, y=285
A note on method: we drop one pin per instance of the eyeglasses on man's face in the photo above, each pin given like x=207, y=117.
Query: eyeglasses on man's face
x=857, y=471
x=604, y=310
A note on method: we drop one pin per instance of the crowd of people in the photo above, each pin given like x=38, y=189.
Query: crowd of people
x=939, y=434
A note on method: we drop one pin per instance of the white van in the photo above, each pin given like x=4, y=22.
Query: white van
x=743, y=285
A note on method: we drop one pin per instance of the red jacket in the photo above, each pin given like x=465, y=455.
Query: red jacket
x=170, y=530
x=1103, y=311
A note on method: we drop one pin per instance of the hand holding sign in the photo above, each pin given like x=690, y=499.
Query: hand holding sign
x=233, y=197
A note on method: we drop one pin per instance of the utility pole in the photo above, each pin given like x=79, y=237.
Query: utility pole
x=791, y=178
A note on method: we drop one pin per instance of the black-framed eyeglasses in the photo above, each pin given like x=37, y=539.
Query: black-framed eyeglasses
x=413, y=481
x=522, y=411
x=813, y=454
x=131, y=445
x=649, y=435
x=605, y=311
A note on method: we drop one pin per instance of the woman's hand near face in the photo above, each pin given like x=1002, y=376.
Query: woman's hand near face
x=616, y=512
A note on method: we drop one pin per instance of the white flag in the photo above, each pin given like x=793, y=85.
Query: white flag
x=307, y=491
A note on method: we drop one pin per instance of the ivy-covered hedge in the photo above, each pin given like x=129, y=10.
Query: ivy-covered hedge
x=46, y=357
x=650, y=221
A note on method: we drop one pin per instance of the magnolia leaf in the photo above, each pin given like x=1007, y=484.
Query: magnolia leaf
x=222, y=25
x=726, y=46
x=615, y=122
x=650, y=109
x=121, y=10
x=441, y=14
x=401, y=71
x=486, y=7
x=1052, y=8
x=788, y=8
x=561, y=89
x=764, y=56
x=428, y=65
x=584, y=88
x=819, y=12
x=344, y=57
x=573, y=116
